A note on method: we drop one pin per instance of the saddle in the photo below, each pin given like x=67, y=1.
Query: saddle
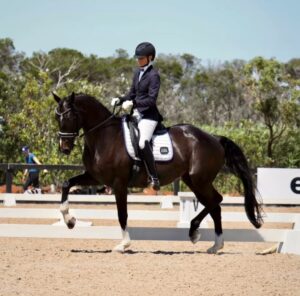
x=161, y=142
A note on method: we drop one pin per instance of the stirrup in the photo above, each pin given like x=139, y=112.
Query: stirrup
x=155, y=183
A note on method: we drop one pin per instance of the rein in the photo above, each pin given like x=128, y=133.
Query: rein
x=98, y=125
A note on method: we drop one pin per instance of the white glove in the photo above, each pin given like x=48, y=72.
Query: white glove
x=127, y=105
x=115, y=101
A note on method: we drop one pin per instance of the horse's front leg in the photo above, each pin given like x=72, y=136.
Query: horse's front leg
x=121, y=199
x=83, y=179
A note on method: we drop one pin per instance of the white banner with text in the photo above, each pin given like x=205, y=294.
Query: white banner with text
x=278, y=183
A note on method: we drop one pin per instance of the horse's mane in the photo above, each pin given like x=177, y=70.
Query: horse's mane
x=92, y=101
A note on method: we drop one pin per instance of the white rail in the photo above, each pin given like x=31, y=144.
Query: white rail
x=188, y=209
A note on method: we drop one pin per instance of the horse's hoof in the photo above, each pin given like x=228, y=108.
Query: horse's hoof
x=215, y=248
x=122, y=246
x=71, y=223
x=119, y=249
x=212, y=250
x=126, y=244
x=195, y=237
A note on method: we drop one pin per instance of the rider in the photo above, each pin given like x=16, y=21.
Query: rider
x=142, y=97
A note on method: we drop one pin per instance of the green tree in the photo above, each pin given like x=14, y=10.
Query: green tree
x=255, y=103
x=9, y=58
x=274, y=98
x=293, y=68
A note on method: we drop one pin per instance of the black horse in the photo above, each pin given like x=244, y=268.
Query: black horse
x=198, y=157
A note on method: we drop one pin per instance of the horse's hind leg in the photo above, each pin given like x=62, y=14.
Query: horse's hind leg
x=194, y=232
x=211, y=199
x=219, y=240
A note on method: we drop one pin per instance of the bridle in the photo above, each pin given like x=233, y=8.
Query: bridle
x=65, y=135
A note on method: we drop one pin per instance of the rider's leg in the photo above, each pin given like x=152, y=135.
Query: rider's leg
x=148, y=159
x=146, y=128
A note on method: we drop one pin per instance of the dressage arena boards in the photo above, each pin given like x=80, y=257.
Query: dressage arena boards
x=288, y=239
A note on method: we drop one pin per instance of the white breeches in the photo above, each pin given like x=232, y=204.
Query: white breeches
x=146, y=128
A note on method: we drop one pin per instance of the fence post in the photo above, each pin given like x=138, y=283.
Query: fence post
x=9, y=177
x=176, y=186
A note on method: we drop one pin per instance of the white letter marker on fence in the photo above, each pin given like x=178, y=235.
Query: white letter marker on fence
x=275, y=183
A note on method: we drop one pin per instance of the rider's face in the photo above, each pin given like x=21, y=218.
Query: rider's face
x=143, y=61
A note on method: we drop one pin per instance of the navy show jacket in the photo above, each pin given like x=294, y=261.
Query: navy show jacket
x=144, y=93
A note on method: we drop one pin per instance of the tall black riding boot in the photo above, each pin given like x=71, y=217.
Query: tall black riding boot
x=148, y=159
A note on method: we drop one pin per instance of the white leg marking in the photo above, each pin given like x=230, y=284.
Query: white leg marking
x=219, y=244
x=64, y=209
x=125, y=243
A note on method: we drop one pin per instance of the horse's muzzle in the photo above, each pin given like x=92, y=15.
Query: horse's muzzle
x=66, y=146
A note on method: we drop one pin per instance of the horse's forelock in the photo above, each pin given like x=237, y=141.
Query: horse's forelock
x=68, y=102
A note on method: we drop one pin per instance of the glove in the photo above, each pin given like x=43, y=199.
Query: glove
x=127, y=105
x=115, y=101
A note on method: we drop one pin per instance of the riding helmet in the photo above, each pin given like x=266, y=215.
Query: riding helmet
x=145, y=49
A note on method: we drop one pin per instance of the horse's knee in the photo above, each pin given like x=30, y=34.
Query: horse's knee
x=66, y=185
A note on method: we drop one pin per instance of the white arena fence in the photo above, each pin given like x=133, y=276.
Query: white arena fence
x=289, y=239
x=84, y=198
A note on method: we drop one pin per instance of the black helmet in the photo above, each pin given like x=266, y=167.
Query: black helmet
x=145, y=49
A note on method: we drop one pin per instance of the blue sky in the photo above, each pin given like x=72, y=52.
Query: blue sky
x=212, y=30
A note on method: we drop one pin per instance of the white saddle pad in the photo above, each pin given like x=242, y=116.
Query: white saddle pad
x=161, y=144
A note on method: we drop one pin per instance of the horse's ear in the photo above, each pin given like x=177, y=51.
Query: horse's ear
x=72, y=97
x=56, y=97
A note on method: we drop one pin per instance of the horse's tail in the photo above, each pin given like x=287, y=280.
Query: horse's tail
x=237, y=164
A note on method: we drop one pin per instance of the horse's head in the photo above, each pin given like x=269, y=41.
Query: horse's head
x=69, y=122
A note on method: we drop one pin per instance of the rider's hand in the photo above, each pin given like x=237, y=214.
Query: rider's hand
x=115, y=101
x=127, y=105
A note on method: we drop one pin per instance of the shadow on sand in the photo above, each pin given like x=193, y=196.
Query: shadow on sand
x=158, y=252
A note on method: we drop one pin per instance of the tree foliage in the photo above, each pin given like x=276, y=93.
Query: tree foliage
x=275, y=98
x=255, y=103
